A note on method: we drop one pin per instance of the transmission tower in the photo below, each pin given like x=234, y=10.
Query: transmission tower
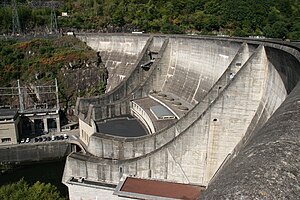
x=15, y=19
x=53, y=18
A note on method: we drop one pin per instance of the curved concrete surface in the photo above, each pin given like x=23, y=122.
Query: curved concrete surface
x=232, y=86
x=129, y=83
x=269, y=164
x=119, y=54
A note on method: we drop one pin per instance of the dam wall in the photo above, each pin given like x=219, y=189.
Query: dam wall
x=34, y=152
x=267, y=165
x=183, y=158
x=129, y=148
x=161, y=73
x=134, y=87
x=126, y=89
x=285, y=59
x=225, y=119
x=232, y=108
x=190, y=67
x=118, y=52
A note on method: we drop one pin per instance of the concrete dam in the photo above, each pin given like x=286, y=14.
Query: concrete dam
x=221, y=113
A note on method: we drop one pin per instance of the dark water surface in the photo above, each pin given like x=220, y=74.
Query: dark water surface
x=123, y=126
x=49, y=172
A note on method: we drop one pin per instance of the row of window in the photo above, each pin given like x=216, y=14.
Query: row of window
x=6, y=140
x=144, y=115
x=138, y=108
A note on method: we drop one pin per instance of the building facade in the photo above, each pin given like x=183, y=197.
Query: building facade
x=9, y=123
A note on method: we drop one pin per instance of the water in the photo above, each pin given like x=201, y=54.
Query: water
x=50, y=172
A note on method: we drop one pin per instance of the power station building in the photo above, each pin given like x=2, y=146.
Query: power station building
x=30, y=113
x=9, y=126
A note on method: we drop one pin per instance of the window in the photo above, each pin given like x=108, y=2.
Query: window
x=6, y=140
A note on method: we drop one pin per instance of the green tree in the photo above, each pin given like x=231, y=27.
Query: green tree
x=277, y=30
x=43, y=191
x=22, y=190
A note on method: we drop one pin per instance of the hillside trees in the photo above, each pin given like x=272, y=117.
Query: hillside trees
x=42, y=60
x=240, y=18
x=21, y=190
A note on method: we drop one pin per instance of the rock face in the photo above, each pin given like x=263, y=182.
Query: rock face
x=84, y=81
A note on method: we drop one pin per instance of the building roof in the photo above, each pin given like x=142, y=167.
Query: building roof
x=160, y=111
x=155, y=189
x=146, y=103
x=8, y=113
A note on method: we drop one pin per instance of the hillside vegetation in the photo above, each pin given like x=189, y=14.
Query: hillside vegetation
x=40, y=61
x=270, y=18
x=37, y=191
x=39, y=58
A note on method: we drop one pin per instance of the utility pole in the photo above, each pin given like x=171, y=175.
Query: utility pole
x=20, y=97
x=15, y=19
x=56, y=92
x=53, y=18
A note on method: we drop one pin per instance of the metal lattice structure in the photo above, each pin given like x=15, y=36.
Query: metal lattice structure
x=30, y=97
x=53, y=28
x=16, y=26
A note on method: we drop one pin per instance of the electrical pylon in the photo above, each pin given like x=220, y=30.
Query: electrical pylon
x=16, y=27
x=53, y=19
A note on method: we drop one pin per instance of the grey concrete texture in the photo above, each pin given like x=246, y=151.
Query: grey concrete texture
x=167, y=134
x=25, y=153
x=182, y=152
x=118, y=52
x=228, y=112
x=268, y=166
x=132, y=81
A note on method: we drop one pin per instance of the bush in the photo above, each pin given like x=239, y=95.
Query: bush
x=21, y=190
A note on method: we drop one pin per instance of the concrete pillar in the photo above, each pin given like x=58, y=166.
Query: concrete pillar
x=57, y=124
x=45, y=122
x=20, y=97
x=32, y=126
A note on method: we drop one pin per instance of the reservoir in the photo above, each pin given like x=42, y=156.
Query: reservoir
x=46, y=172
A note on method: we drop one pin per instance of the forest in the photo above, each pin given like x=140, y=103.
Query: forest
x=268, y=18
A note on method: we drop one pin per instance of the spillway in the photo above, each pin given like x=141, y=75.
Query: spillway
x=219, y=93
